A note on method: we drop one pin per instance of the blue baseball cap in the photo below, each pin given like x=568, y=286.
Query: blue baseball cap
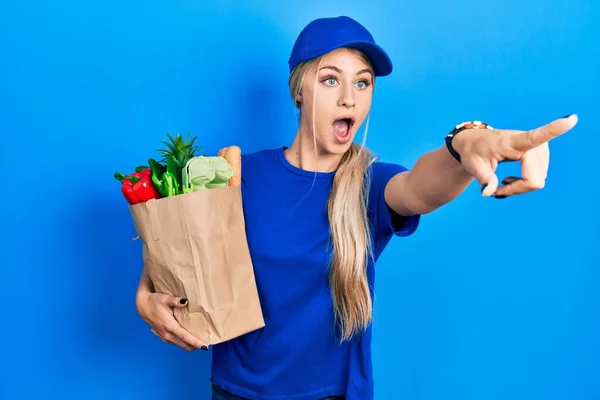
x=323, y=35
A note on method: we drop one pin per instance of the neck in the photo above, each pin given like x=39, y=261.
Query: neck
x=302, y=154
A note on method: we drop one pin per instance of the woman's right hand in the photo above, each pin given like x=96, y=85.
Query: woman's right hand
x=157, y=310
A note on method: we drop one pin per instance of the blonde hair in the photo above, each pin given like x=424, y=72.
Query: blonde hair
x=350, y=227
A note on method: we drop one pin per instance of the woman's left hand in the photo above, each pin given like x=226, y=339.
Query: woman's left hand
x=481, y=150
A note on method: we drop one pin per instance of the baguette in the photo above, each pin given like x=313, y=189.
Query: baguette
x=233, y=155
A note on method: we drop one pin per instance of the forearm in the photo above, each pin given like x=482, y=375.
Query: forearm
x=436, y=179
x=145, y=285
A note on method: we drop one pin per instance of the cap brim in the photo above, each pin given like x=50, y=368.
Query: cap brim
x=379, y=58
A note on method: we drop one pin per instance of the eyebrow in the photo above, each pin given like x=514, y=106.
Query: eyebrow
x=340, y=71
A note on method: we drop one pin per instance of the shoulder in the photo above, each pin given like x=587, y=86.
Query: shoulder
x=380, y=173
x=258, y=155
x=258, y=163
x=258, y=158
x=386, y=222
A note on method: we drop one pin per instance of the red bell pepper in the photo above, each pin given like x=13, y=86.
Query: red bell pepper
x=138, y=187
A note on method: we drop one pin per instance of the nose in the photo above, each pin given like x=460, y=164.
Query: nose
x=346, y=98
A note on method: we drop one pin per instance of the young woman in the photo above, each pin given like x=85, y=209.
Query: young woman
x=328, y=211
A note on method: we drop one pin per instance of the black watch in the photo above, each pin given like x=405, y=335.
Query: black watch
x=459, y=128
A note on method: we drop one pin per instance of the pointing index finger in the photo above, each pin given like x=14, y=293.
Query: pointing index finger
x=528, y=140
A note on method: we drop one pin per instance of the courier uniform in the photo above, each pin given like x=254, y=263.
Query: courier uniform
x=298, y=354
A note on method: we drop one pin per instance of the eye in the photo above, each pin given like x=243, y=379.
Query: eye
x=330, y=80
x=363, y=84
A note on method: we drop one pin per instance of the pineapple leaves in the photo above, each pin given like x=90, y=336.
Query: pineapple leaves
x=181, y=149
x=176, y=155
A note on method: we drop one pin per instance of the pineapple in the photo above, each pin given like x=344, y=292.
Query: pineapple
x=178, y=152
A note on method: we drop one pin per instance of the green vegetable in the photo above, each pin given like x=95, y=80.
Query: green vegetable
x=177, y=154
x=158, y=171
x=203, y=172
x=172, y=184
x=165, y=178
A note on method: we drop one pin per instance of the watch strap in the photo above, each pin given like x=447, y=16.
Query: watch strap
x=459, y=128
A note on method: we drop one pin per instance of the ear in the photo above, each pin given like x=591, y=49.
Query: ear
x=299, y=97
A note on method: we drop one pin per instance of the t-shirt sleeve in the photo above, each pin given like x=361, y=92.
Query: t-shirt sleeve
x=385, y=221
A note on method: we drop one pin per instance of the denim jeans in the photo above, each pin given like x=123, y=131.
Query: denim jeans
x=219, y=393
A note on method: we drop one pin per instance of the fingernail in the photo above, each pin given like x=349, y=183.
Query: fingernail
x=483, y=187
x=182, y=301
x=204, y=348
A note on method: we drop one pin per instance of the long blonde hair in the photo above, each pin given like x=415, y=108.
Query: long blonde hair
x=349, y=224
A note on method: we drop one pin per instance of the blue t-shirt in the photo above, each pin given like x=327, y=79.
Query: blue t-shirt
x=298, y=354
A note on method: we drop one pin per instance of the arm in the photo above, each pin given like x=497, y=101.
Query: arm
x=436, y=179
x=157, y=310
x=145, y=286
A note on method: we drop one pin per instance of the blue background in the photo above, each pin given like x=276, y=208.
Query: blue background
x=489, y=300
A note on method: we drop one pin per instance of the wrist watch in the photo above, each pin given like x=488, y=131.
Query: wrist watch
x=459, y=128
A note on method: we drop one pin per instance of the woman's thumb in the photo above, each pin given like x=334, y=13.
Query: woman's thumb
x=489, y=184
x=482, y=171
x=175, y=301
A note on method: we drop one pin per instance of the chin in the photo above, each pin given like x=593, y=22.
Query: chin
x=337, y=149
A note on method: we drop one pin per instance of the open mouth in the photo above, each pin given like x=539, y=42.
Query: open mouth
x=343, y=125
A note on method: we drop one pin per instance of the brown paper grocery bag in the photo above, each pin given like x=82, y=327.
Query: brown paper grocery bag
x=195, y=247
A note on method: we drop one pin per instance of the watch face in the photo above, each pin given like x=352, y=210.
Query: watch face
x=473, y=125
